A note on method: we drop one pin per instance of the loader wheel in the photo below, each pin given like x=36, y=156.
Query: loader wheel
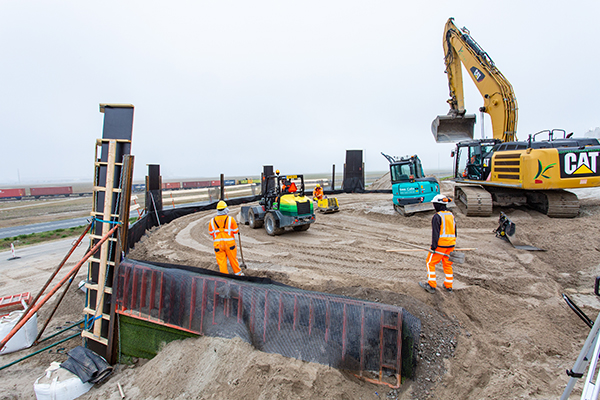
x=252, y=221
x=301, y=228
x=271, y=226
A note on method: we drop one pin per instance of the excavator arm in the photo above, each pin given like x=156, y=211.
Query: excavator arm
x=499, y=100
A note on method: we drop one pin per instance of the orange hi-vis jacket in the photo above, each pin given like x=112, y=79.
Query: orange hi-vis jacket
x=443, y=230
x=223, y=229
x=318, y=193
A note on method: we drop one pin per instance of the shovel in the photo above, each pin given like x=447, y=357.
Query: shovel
x=243, y=264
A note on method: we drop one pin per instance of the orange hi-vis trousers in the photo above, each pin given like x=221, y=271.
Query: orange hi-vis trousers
x=433, y=259
x=222, y=229
x=227, y=251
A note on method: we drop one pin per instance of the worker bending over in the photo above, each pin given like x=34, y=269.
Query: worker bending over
x=443, y=240
x=223, y=229
x=318, y=193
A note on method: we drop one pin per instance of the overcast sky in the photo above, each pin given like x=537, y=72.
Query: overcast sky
x=230, y=86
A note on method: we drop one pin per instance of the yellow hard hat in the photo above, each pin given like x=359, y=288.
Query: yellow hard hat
x=277, y=172
x=318, y=185
x=221, y=205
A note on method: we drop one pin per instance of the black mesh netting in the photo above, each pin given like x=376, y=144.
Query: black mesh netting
x=338, y=331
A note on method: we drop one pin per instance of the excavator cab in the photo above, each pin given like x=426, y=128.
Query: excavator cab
x=453, y=128
x=473, y=159
x=412, y=191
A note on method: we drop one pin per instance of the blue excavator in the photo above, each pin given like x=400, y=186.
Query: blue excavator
x=412, y=190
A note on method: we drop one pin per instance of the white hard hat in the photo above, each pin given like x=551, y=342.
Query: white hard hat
x=440, y=199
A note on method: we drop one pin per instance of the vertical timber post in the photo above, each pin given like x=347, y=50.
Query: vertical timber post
x=124, y=209
x=111, y=174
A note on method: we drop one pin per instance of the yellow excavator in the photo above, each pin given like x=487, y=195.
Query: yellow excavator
x=501, y=170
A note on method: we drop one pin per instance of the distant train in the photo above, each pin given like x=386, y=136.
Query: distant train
x=200, y=184
x=39, y=192
x=67, y=191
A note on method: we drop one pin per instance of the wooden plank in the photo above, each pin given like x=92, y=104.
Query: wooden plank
x=89, y=335
x=108, y=201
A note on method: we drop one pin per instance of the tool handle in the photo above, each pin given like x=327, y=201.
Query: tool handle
x=407, y=250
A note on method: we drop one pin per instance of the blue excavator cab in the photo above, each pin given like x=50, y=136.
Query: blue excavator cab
x=412, y=190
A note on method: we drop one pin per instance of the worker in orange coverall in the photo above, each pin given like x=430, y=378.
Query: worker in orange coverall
x=443, y=241
x=223, y=229
x=289, y=186
x=318, y=193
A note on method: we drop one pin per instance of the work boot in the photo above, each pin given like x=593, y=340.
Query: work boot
x=448, y=289
x=428, y=288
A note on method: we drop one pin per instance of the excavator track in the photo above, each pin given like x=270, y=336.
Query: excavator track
x=555, y=203
x=473, y=201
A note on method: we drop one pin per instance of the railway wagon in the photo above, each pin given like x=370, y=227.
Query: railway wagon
x=37, y=192
x=12, y=193
x=195, y=184
x=228, y=182
x=171, y=185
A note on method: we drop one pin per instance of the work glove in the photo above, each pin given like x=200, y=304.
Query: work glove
x=432, y=248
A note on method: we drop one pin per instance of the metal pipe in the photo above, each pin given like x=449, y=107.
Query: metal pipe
x=60, y=299
x=36, y=307
x=73, y=247
x=39, y=351
x=62, y=330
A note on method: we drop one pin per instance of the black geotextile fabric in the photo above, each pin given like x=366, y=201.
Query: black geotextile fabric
x=149, y=221
x=335, y=330
x=204, y=271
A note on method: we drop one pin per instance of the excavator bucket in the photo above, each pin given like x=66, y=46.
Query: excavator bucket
x=452, y=129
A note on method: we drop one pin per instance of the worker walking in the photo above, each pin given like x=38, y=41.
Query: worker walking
x=223, y=229
x=443, y=241
x=318, y=193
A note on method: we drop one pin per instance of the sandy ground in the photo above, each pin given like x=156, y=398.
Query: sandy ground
x=505, y=331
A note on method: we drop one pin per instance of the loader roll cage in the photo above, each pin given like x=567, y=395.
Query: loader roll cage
x=275, y=184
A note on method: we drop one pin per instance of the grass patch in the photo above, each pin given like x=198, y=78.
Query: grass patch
x=35, y=238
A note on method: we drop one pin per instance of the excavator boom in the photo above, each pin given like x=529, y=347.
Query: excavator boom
x=498, y=96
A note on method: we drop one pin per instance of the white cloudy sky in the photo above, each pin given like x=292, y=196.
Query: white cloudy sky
x=229, y=86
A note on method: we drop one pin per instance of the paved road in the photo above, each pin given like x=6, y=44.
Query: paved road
x=34, y=264
x=42, y=227
x=67, y=223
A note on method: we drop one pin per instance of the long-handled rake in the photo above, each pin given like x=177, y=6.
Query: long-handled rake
x=243, y=264
x=454, y=256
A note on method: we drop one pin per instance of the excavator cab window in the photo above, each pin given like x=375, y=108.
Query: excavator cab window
x=402, y=172
x=469, y=162
x=419, y=169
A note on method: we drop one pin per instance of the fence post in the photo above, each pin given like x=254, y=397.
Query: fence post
x=222, y=196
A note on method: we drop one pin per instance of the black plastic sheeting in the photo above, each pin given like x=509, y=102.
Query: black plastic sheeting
x=338, y=331
x=160, y=217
